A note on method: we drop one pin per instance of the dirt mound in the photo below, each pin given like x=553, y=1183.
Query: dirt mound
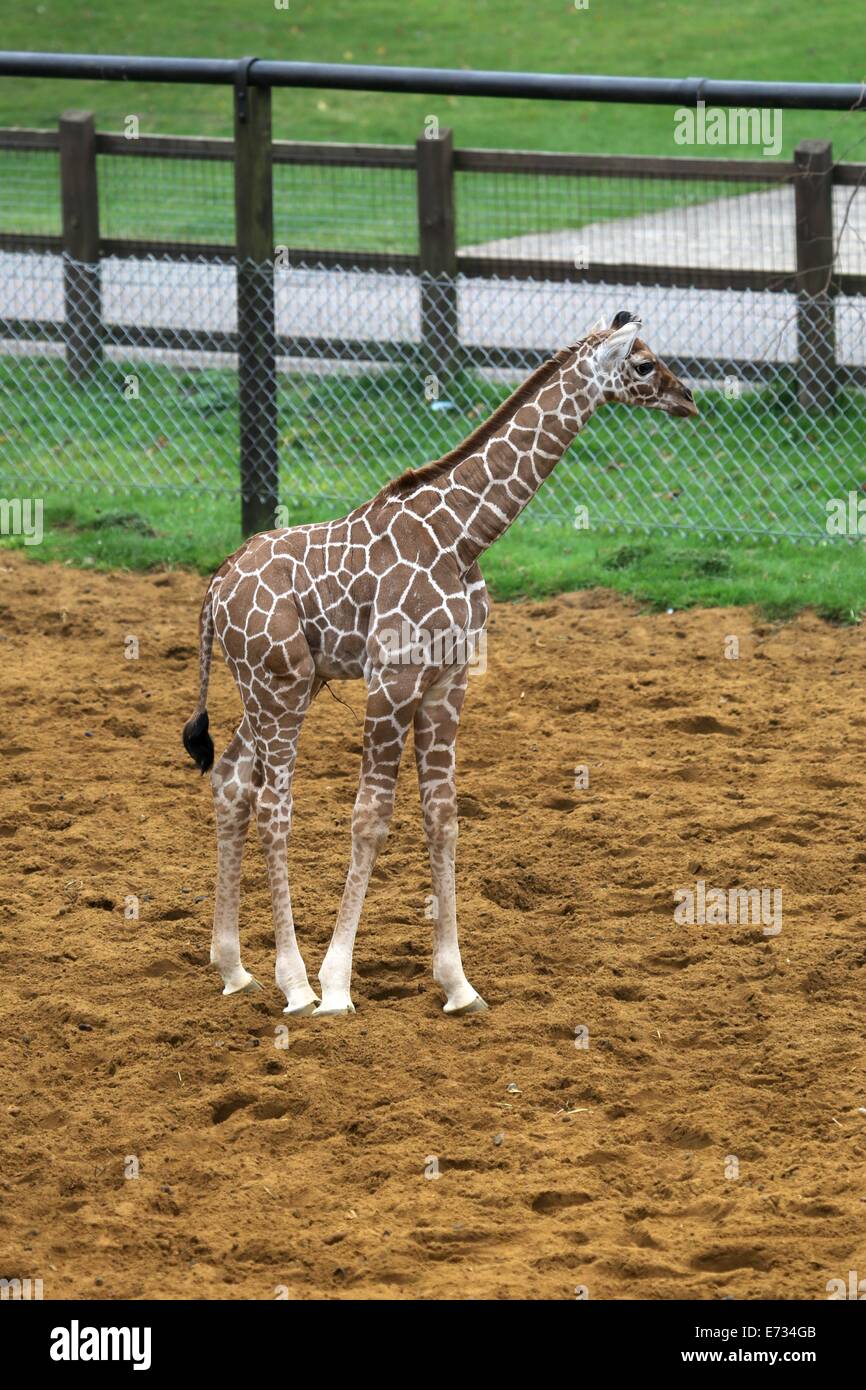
x=708, y=1140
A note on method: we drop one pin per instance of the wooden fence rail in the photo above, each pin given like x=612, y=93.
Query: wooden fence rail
x=435, y=162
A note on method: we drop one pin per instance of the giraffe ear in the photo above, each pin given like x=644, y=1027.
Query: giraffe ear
x=616, y=347
x=598, y=327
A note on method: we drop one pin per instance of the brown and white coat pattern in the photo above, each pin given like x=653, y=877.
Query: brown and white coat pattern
x=294, y=608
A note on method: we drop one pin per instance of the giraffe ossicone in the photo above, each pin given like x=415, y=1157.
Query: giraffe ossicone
x=391, y=594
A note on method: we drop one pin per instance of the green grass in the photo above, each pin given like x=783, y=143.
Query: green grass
x=755, y=39
x=332, y=208
x=375, y=210
x=759, y=463
x=754, y=462
x=530, y=560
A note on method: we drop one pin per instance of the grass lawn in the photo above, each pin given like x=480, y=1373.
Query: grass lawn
x=332, y=208
x=758, y=463
x=341, y=436
x=532, y=559
x=375, y=210
x=755, y=39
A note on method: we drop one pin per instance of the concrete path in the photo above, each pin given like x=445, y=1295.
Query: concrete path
x=751, y=231
x=705, y=323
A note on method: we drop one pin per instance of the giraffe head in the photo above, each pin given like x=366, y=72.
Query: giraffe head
x=628, y=371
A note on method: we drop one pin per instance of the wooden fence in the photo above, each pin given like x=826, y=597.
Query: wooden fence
x=437, y=261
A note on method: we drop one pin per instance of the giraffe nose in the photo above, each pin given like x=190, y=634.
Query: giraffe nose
x=687, y=393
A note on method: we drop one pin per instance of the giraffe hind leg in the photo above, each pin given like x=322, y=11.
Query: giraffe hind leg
x=278, y=700
x=270, y=660
x=232, y=790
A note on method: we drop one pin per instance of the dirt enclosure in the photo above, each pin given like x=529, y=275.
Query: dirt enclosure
x=709, y=1140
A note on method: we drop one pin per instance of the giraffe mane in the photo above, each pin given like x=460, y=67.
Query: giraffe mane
x=431, y=472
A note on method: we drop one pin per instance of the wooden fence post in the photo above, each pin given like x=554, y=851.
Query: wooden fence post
x=79, y=199
x=816, y=322
x=257, y=347
x=437, y=247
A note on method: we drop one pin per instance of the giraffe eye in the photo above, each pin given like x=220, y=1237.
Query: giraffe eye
x=644, y=368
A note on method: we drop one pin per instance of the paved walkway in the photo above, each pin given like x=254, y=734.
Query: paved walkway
x=705, y=323
x=751, y=231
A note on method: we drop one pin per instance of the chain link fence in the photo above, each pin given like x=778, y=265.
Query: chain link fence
x=131, y=376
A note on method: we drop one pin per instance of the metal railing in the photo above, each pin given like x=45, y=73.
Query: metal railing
x=360, y=77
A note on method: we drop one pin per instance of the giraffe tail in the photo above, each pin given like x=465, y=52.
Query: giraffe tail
x=196, y=739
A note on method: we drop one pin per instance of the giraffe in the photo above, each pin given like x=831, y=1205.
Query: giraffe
x=391, y=594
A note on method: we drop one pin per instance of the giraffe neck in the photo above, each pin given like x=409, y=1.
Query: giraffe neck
x=485, y=492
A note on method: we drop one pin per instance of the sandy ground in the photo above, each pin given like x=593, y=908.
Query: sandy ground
x=711, y=1138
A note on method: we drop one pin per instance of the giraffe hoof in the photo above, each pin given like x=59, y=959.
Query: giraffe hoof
x=475, y=1006
x=301, y=1010
x=300, y=1000
x=334, y=1010
x=252, y=986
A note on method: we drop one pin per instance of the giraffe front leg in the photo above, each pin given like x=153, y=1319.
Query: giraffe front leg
x=370, y=822
x=231, y=783
x=436, y=722
x=390, y=706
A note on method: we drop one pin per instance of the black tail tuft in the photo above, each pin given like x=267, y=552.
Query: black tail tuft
x=198, y=742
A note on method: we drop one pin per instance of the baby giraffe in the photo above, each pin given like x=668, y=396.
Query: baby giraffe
x=390, y=594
